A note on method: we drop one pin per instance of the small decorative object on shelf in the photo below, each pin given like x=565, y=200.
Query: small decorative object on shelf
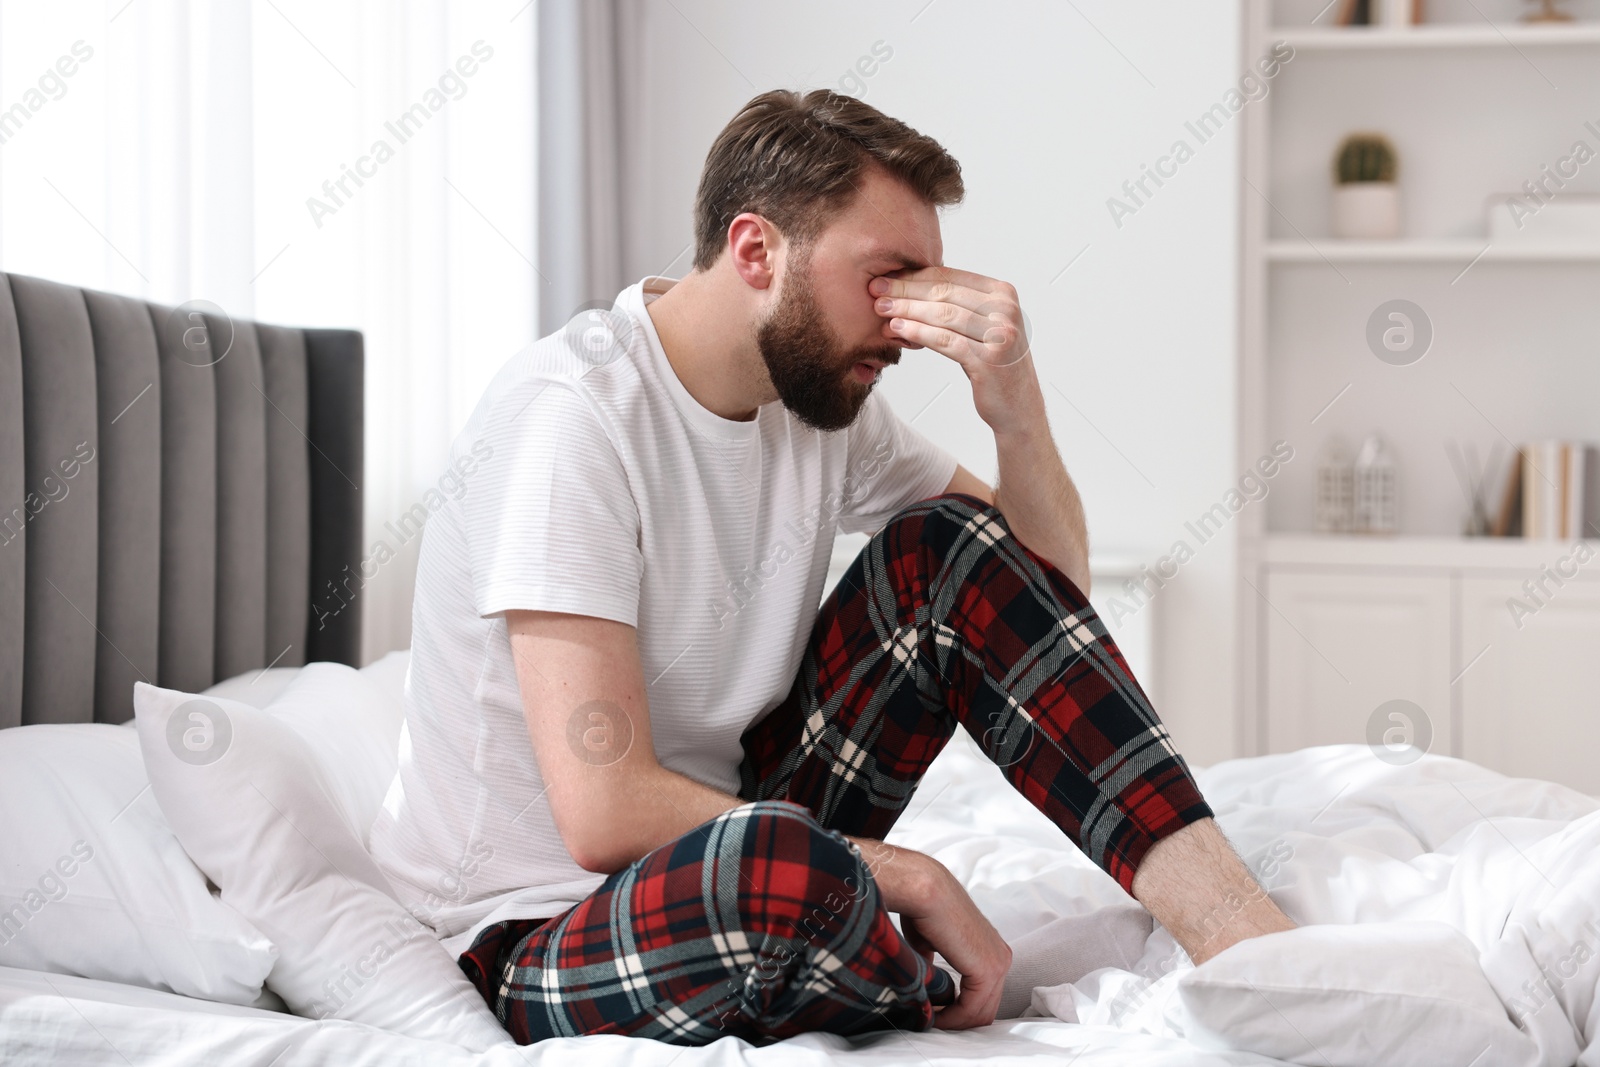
x=1377, y=495
x=1548, y=12
x=1473, y=477
x=1395, y=14
x=1400, y=14
x=1356, y=13
x=1571, y=220
x=1336, y=494
x=1366, y=200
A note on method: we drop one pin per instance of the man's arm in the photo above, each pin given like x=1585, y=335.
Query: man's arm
x=584, y=700
x=588, y=712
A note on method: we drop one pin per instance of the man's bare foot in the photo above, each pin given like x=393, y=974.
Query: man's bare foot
x=1196, y=885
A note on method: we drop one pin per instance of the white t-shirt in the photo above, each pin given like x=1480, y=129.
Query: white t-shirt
x=591, y=481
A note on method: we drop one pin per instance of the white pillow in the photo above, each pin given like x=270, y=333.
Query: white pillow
x=356, y=746
x=260, y=688
x=251, y=802
x=93, y=882
x=348, y=724
x=1393, y=993
x=256, y=688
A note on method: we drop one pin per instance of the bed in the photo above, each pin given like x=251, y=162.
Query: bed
x=202, y=559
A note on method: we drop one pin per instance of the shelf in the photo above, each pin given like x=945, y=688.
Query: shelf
x=1414, y=552
x=1440, y=35
x=1402, y=251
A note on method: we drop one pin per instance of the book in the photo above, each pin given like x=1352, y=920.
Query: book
x=1586, y=491
x=1559, y=489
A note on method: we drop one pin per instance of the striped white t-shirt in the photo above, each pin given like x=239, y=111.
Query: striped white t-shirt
x=591, y=481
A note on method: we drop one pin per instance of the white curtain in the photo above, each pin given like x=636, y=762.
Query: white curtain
x=588, y=55
x=366, y=164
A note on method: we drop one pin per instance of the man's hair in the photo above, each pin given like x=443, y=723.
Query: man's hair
x=797, y=159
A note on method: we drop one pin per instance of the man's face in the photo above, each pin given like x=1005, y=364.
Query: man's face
x=823, y=327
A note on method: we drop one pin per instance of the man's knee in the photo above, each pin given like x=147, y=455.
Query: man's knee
x=945, y=519
x=797, y=893
x=803, y=879
x=788, y=833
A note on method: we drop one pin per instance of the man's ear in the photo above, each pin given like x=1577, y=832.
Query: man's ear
x=753, y=247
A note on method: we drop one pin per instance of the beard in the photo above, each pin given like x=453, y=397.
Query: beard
x=814, y=378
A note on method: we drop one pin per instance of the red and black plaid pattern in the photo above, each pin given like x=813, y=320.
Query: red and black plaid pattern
x=765, y=922
x=945, y=617
x=759, y=924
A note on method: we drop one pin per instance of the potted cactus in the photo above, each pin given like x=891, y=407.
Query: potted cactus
x=1366, y=200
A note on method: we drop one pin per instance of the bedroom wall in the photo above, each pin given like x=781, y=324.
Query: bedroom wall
x=1050, y=107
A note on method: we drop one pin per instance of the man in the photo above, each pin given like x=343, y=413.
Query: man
x=644, y=781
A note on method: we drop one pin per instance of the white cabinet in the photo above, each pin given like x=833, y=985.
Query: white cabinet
x=1339, y=646
x=1530, y=693
x=1342, y=626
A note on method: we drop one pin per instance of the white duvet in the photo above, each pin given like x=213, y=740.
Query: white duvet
x=1337, y=835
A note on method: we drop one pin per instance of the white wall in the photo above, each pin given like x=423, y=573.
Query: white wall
x=1050, y=107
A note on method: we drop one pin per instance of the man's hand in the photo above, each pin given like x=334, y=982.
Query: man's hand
x=975, y=321
x=937, y=915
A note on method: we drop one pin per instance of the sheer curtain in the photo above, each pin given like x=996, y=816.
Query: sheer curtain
x=365, y=164
x=588, y=59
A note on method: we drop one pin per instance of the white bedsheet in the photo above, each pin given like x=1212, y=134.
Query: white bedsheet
x=1337, y=835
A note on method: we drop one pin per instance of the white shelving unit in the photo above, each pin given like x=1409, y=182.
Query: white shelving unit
x=1467, y=35
x=1437, y=251
x=1330, y=627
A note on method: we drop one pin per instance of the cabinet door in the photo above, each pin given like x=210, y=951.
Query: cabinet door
x=1339, y=646
x=1531, y=696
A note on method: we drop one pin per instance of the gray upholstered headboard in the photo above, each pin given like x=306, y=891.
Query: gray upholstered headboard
x=180, y=498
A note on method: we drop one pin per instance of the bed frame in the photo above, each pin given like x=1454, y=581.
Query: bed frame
x=180, y=498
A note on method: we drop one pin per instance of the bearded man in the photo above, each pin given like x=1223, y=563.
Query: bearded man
x=645, y=780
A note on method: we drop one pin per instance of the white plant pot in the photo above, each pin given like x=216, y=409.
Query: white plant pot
x=1366, y=210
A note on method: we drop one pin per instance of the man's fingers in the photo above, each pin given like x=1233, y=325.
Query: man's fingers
x=935, y=313
x=891, y=336
x=943, y=341
x=957, y=1016
x=976, y=1005
x=947, y=292
x=898, y=341
x=981, y=283
x=976, y=1008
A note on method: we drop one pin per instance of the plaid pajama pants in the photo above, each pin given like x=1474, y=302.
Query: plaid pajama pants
x=765, y=922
